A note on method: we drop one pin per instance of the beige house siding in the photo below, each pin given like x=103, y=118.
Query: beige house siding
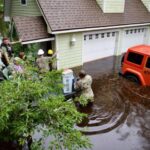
x=7, y=7
x=147, y=4
x=112, y=6
x=69, y=55
x=31, y=9
x=101, y=3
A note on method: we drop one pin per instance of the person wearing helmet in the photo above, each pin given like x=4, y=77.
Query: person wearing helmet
x=43, y=61
x=52, y=63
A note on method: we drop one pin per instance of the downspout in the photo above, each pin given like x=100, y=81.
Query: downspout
x=11, y=30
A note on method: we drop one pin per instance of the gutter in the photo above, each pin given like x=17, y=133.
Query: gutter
x=38, y=41
x=99, y=28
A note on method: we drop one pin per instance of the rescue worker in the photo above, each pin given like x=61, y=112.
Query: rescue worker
x=52, y=63
x=7, y=50
x=42, y=61
x=84, y=83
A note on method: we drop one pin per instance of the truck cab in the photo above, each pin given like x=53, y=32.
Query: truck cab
x=136, y=64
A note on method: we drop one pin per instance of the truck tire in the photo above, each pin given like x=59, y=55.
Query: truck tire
x=133, y=78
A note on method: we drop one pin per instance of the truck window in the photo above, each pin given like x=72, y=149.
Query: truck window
x=148, y=63
x=135, y=58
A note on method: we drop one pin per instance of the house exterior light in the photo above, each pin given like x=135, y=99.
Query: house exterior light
x=73, y=41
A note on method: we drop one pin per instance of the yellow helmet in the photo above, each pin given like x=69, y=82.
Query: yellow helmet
x=50, y=52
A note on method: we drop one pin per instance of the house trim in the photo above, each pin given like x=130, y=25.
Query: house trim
x=38, y=41
x=99, y=28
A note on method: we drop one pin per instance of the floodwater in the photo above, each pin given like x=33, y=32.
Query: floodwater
x=120, y=116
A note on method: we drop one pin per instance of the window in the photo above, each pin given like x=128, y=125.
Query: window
x=108, y=34
x=135, y=58
x=139, y=30
x=102, y=35
x=148, y=63
x=96, y=36
x=23, y=2
x=127, y=31
x=84, y=37
x=90, y=37
x=135, y=30
x=131, y=31
x=113, y=33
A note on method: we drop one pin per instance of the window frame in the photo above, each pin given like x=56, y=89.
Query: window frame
x=23, y=4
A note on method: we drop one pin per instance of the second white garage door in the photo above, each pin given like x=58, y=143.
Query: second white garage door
x=98, y=45
x=133, y=37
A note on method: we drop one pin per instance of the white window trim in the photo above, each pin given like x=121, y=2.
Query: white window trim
x=23, y=4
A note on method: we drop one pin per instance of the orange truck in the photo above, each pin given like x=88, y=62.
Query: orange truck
x=136, y=64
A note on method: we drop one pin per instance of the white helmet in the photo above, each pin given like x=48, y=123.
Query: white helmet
x=40, y=52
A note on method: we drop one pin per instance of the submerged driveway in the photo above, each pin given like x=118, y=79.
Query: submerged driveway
x=120, y=116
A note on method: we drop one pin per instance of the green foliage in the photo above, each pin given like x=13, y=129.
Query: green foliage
x=29, y=105
x=82, y=100
x=1, y=5
x=30, y=49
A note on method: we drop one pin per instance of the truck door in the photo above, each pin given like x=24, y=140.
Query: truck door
x=147, y=71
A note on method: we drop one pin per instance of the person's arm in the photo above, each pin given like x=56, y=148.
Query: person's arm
x=78, y=84
x=54, y=55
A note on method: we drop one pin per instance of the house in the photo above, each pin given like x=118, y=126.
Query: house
x=81, y=30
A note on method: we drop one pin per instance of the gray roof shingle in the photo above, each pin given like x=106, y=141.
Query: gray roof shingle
x=31, y=28
x=79, y=14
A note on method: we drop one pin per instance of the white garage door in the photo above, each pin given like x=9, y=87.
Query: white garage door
x=98, y=45
x=133, y=37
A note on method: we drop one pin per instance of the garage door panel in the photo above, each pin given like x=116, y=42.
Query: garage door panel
x=100, y=46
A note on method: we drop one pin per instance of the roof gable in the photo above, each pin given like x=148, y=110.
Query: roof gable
x=30, y=28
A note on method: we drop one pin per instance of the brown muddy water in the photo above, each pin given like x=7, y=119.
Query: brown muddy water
x=120, y=116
